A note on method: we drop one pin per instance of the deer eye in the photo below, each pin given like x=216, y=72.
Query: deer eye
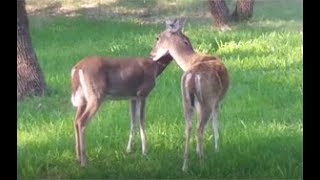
x=186, y=42
x=157, y=38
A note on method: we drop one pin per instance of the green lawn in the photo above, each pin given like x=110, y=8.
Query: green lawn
x=260, y=118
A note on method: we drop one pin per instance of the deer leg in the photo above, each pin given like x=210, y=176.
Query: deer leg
x=90, y=110
x=132, y=124
x=203, y=116
x=188, y=111
x=79, y=113
x=215, y=124
x=188, y=126
x=141, y=115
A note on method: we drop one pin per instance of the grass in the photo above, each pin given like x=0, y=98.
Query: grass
x=260, y=119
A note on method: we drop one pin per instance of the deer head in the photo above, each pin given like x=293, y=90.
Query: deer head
x=171, y=41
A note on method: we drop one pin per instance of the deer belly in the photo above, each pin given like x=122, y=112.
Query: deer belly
x=121, y=93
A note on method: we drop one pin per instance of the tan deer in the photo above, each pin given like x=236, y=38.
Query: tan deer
x=96, y=78
x=204, y=83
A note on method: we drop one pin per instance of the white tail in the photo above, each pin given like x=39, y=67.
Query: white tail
x=204, y=83
x=96, y=78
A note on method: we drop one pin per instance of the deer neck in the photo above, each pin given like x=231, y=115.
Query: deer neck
x=184, y=57
x=161, y=67
x=162, y=63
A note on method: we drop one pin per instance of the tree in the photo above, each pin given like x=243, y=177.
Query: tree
x=30, y=79
x=243, y=10
x=220, y=12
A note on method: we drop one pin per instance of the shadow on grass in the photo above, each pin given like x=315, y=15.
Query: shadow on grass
x=147, y=11
x=279, y=10
x=152, y=11
x=276, y=156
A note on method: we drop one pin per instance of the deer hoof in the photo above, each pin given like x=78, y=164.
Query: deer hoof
x=129, y=150
x=216, y=150
x=144, y=153
x=83, y=162
x=78, y=159
x=201, y=162
x=185, y=167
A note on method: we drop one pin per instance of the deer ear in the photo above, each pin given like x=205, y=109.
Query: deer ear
x=174, y=25
x=169, y=24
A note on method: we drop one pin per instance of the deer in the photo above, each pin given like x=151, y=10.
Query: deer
x=204, y=83
x=95, y=79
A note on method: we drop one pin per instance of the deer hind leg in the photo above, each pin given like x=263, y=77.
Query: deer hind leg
x=79, y=113
x=141, y=115
x=88, y=101
x=203, y=112
x=91, y=109
x=132, y=124
x=215, y=124
x=78, y=100
x=188, y=112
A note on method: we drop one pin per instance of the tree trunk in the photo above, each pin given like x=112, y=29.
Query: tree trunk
x=243, y=10
x=30, y=80
x=220, y=13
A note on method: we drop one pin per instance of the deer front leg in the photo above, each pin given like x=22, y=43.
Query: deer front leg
x=132, y=124
x=90, y=110
x=141, y=99
x=141, y=114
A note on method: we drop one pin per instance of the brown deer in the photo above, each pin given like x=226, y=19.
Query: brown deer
x=96, y=78
x=204, y=82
